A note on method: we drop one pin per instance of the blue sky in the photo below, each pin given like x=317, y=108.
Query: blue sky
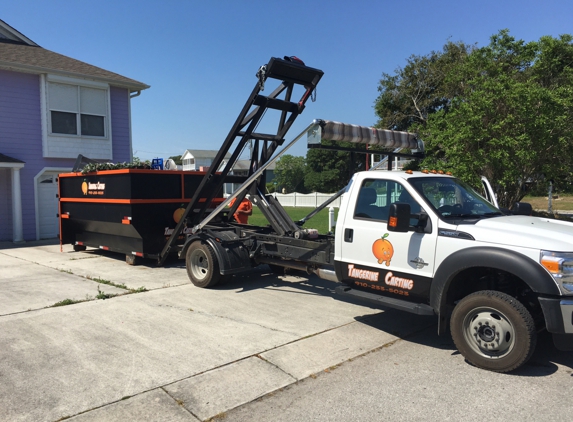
x=200, y=57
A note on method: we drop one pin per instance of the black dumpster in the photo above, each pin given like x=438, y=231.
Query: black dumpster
x=130, y=211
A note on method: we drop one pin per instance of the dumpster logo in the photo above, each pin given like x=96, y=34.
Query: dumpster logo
x=93, y=188
x=168, y=231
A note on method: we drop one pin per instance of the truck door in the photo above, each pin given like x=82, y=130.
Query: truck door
x=375, y=259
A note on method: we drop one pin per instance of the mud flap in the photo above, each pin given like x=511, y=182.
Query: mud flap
x=563, y=342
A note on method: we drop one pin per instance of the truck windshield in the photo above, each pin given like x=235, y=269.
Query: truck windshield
x=451, y=197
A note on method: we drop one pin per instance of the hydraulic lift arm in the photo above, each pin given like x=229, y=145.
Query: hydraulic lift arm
x=291, y=74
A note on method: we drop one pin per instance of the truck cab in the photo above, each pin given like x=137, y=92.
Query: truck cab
x=438, y=205
x=429, y=243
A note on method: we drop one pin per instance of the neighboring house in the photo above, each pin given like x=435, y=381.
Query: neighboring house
x=52, y=108
x=194, y=159
x=197, y=159
x=241, y=168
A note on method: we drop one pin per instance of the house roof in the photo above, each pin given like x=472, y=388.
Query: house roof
x=245, y=164
x=21, y=54
x=11, y=34
x=6, y=159
x=9, y=162
x=204, y=153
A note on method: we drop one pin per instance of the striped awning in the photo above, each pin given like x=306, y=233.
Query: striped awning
x=344, y=132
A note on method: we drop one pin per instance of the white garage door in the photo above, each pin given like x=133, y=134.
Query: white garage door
x=48, y=206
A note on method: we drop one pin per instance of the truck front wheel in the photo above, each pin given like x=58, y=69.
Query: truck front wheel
x=493, y=331
x=202, y=265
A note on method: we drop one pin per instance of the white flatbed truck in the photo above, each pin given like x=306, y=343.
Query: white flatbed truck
x=416, y=241
x=425, y=243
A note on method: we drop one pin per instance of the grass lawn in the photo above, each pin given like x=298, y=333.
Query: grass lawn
x=319, y=221
x=561, y=203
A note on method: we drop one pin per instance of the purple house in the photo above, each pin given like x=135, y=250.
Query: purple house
x=53, y=108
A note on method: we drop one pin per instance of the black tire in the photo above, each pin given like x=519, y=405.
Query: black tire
x=79, y=248
x=202, y=265
x=493, y=331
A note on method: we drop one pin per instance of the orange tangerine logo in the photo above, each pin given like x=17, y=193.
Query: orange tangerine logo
x=85, y=187
x=383, y=250
x=178, y=213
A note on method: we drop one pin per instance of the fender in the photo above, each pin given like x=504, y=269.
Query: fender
x=531, y=272
x=232, y=258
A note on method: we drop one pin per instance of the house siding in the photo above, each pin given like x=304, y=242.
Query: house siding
x=21, y=138
x=120, y=130
x=5, y=205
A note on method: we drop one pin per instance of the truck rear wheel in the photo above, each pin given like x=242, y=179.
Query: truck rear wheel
x=202, y=265
x=493, y=331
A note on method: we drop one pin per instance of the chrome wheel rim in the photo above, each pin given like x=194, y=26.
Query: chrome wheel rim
x=489, y=333
x=199, y=264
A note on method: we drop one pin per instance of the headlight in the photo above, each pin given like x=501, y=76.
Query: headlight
x=560, y=265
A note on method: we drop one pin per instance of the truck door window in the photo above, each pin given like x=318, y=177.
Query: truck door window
x=368, y=205
x=452, y=198
x=375, y=197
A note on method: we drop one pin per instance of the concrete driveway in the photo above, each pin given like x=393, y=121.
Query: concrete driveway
x=155, y=347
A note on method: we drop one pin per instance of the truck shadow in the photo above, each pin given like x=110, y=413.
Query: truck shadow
x=298, y=283
x=170, y=262
x=546, y=359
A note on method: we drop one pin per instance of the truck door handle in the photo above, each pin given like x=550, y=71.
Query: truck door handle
x=348, y=235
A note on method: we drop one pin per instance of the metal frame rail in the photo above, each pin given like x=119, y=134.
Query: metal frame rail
x=290, y=74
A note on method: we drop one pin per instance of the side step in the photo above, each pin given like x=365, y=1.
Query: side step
x=402, y=305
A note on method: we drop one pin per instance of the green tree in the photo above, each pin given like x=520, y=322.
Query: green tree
x=329, y=170
x=419, y=89
x=289, y=173
x=511, y=119
x=177, y=159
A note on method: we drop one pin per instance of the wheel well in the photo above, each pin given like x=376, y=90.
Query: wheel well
x=484, y=278
x=183, y=251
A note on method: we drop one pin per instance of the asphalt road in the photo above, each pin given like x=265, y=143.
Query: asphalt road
x=424, y=378
x=259, y=348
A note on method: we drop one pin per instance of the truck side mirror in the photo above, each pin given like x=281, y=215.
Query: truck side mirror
x=522, y=208
x=399, y=217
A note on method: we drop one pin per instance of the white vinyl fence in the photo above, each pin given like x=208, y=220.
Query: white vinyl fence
x=311, y=200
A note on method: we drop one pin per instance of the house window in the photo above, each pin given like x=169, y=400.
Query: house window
x=92, y=125
x=77, y=110
x=189, y=164
x=63, y=122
